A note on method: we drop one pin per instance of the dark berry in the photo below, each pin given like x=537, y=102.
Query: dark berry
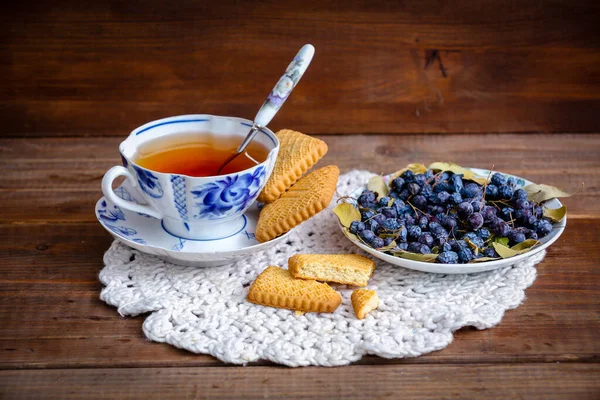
x=447, y=257
x=404, y=195
x=520, y=203
x=367, y=214
x=397, y=184
x=419, y=201
x=379, y=218
x=437, y=210
x=420, y=179
x=532, y=235
x=458, y=244
x=477, y=204
x=470, y=190
x=515, y=237
x=413, y=232
x=491, y=192
x=356, y=226
x=544, y=227
x=402, y=246
x=520, y=194
x=488, y=213
x=426, y=190
x=367, y=198
x=442, y=187
x=465, y=255
x=423, y=222
x=426, y=238
x=457, y=183
x=507, y=213
x=387, y=241
x=483, y=233
x=443, y=197
x=388, y=212
x=409, y=220
x=449, y=223
x=498, y=179
x=505, y=192
x=538, y=211
x=390, y=224
x=456, y=198
x=408, y=176
x=366, y=235
x=413, y=188
x=402, y=234
x=500, y=229
x=464, y=210
x=445, y=247
x=490, y=252
x=372, y=225
x=428, y=174
x=383, y=202
x=440, y=233
x=376, y=242
x=414, y=247
x=511, y=181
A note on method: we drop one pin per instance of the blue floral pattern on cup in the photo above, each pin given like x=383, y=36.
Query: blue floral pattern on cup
x=149, y=182
x=229, y=195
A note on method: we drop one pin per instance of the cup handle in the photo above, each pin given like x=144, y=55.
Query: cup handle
x=107, y=181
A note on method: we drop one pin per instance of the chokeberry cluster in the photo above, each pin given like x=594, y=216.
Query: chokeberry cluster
x=445, y=214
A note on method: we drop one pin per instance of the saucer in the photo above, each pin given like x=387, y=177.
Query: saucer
x=147, y=234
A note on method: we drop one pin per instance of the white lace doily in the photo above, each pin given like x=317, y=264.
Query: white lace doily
x=204, y=310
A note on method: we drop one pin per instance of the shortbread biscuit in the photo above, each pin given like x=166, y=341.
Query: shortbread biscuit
x=275, y=287
x=307, y=197
x=349, y=269
x=297, y=154
x=364, y=301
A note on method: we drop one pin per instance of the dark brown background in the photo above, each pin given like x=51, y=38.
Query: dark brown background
x=397, y=81
x=105, y=67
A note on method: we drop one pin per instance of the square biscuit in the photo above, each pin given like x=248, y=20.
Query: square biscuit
x=349, y=269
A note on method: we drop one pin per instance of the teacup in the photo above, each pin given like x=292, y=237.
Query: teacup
x=195, y=208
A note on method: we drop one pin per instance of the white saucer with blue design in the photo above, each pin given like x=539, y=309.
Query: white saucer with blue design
x=147, y=234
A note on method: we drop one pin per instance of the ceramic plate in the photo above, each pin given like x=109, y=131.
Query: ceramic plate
x=559, y=228
x=147, y=234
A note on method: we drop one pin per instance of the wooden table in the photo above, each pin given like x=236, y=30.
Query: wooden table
x=392, y=82
x=58, y=340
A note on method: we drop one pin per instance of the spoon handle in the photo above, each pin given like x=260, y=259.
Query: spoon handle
x=285, y=85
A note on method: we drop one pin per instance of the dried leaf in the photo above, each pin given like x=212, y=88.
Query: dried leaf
x=483, y=259
x=502, y=240
x=457, y=169
x=415, y=257
x=416, y=168
x=523, y=247
x=377, y=184
x=388, y=247
x=540, y=193
x=346, y=213
x=555, y=214
x=435, y=250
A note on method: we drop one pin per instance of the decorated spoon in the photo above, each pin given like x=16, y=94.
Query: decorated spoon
x=277, y=97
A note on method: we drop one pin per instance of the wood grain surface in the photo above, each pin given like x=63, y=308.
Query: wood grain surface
x=508, y=381
x=58, y=340
x=73, y=68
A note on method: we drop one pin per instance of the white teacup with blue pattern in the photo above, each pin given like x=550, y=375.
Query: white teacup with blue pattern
x=195, y=208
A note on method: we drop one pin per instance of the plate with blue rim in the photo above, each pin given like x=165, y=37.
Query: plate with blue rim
x=147, y=234
x=558, y=229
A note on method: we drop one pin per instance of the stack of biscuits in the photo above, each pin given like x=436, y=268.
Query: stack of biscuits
x=302, y=287
x=291, y=198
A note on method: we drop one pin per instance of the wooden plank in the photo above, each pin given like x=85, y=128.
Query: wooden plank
x=547, y=381
x=60, y=178
x=406, y=67
x=52, y=317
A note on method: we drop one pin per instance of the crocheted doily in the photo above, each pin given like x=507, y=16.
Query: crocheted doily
x=204, y=310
